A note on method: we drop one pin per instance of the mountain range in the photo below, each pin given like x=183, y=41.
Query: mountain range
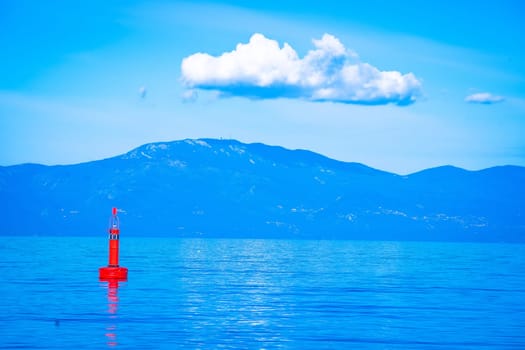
x=225, y=188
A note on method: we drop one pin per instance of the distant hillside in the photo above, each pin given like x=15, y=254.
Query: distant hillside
x=224, y=188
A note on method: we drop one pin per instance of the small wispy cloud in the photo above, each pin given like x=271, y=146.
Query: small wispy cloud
x=484, y=98
x=262, y=69
x=189, y=95
x=142, y=92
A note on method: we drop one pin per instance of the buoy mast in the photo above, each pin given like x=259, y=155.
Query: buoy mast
x=113, y=271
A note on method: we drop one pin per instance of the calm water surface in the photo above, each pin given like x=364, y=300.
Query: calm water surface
x=262, y=294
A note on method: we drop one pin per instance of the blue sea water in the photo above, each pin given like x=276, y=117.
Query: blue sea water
x=262, y=294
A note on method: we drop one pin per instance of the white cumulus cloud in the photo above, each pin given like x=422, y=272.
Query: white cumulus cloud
x=484, y=98
x=262, y=68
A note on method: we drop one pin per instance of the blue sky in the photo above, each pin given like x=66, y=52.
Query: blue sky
x=400, y=86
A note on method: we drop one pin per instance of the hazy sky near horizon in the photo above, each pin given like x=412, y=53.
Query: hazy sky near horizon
x=397, y=86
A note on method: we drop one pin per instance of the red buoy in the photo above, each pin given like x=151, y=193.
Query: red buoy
x=113, y=272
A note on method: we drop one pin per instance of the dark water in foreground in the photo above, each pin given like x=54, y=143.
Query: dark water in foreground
x=262, y=294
